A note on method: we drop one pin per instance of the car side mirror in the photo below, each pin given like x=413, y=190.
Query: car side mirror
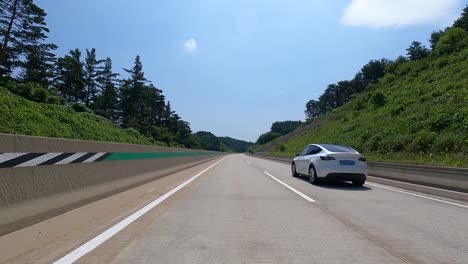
x=297, y=154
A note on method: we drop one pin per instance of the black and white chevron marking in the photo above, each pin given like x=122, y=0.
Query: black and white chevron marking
x=16, y=160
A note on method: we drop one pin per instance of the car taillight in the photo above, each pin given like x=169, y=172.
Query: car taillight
x=327, y=158
x=362, y=159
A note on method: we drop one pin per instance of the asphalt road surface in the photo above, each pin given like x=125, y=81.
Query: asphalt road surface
x=251, y=210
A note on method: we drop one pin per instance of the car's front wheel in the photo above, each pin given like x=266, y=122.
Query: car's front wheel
x=293, y=170
x=313, y=178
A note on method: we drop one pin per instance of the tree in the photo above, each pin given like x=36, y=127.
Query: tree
x=284, y=127
x=453, y=40
x=462, y=22
x=91, y=72
x=167, y=114
x=107, y=103
x=372, y=72
x=313, y=109
x=417, y=51
x=23, y=30
x=435, y=36
x=70, y=81
x=133, y=96
x=39, y=65
x=154, y=103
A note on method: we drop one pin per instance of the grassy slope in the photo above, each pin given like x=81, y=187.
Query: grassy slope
x=424, y=119
x=21, y=116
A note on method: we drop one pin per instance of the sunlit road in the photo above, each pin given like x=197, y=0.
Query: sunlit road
x=250, y=210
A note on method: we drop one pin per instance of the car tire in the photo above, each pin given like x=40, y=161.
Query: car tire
x=313, y=178
x=293, y=170
x=359, y=181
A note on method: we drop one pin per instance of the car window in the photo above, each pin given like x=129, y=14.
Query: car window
x=337, y=148
x=305, y=151
x=314, y=150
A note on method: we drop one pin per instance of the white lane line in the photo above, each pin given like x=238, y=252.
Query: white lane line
x=291, y=188
x=417, y=195
x=103, y=237
x=248, y=162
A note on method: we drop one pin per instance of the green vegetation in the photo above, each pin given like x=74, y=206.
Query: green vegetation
x=278, y=129
x=211, y=142
x=21, y=116
x=30, y=69
x=417, y=112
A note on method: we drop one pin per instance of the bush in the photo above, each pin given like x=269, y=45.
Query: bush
x=439, y=122
x=280, y=147
x=422, y=143
x=81, y=108
x=448, y=143
x=34, y=92
x=378, y=99
x=394, y=144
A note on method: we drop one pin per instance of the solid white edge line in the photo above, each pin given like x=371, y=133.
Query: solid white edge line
x=103, y=237
x=291, y=188
x=415, y=194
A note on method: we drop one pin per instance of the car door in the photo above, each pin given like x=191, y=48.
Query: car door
x=302, y=161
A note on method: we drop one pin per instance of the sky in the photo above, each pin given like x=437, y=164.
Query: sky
x=235, y=67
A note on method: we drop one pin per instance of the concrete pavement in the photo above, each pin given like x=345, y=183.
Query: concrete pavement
x=235, y=213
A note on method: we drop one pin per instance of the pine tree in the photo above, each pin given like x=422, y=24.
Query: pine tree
x=107, y=103
x=23, y=30
x=91, y=71
x=133, y=94
x=39, y=65
x=70, y=81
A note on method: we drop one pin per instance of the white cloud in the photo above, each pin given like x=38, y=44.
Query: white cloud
x=398, y=13
x=190, y=45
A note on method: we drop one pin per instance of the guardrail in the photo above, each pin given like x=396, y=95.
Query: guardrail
x=455, y=179
x=43, y=177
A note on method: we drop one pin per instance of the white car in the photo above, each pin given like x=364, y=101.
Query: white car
x=330, y=162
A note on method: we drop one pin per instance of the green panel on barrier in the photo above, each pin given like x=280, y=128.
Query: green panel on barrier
x=150, y=155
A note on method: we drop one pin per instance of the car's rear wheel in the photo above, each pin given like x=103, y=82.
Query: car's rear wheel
x=293, y=170
x=359, y=181
x=313, y=178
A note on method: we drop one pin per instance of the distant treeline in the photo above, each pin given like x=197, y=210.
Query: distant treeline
x=278, y=129
x=227, y=144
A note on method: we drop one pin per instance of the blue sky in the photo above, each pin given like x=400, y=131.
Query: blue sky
x=235, y=67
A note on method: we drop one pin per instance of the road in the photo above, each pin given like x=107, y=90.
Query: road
x=250, y=210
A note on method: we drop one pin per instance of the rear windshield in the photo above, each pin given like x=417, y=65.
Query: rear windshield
x=337, y=148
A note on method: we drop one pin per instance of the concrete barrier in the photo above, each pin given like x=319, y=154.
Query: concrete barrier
x=455, y=179
x=30, y=194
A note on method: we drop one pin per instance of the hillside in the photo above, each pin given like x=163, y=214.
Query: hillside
x=24, y=117
x=235, y=144
x=416, y=113
x=211, y=142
